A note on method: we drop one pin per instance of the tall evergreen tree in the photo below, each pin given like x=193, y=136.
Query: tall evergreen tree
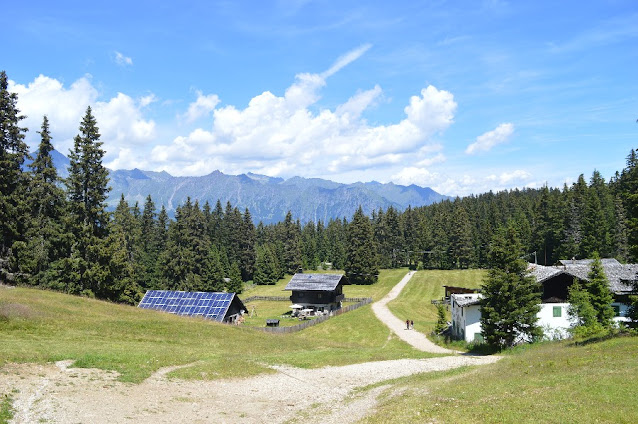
x=13, y=183
x=291, y=236
x=266, y=271
x=247, y=247
x=45, y=238
x=461, y=238
x=511, y=298
x=87, y=190
x=361, y=260
x=600, y=295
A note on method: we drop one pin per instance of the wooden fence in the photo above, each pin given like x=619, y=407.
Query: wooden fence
x=294, y=328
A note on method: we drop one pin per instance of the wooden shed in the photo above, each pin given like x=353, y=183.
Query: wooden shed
x=320, y=292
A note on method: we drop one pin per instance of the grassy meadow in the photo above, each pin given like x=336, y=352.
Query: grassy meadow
x=44, y=326
x=557, y=382
x=414, y=301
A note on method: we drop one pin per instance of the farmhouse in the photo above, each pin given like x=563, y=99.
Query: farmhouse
x=555, y=282
x=319, y=292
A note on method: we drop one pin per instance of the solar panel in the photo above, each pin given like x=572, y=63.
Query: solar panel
x=209, y=305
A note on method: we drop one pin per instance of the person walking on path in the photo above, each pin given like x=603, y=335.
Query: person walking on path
x=407, y=324
x=414, y=338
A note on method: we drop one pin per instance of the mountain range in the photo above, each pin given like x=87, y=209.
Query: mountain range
x=267, y=198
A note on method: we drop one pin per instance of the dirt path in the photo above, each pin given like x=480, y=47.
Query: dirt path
x=412, y=337
x=55, y=393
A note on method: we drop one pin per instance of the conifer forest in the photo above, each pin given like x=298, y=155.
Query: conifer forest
x=58, y=234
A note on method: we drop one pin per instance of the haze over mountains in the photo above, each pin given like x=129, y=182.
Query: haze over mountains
x=267, y=198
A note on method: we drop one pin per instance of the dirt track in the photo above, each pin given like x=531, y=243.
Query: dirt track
x=58, y=394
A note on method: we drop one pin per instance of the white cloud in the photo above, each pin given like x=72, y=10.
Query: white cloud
x=464, y=184
x=346, y=59
x=485, y=142
x=203, y=106
x=272, y=129
x=120, y=119
x=147, y=100
x=122, y=60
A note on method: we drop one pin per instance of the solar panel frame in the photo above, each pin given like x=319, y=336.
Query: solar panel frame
x=210, y=305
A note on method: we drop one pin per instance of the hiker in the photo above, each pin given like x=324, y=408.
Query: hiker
x=411, y=325
x=407, y=324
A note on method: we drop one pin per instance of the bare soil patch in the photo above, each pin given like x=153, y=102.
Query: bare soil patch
x=58, y=393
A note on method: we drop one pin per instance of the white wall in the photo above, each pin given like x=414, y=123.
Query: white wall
x=554, y=327
x=468, y=321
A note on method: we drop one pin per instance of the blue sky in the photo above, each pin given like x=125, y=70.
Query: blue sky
x=463, y=97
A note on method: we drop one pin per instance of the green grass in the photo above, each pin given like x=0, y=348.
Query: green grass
x=414, y=301
x=6, y=408
x=43, y=326
x=546, y=383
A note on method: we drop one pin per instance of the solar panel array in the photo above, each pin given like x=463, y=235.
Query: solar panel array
x=207, y=305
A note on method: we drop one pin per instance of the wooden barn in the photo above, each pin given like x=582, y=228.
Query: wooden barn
x=319, y=292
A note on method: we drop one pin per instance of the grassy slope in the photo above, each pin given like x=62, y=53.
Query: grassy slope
x=414, y=300
x=41, y=326
x=548, y=383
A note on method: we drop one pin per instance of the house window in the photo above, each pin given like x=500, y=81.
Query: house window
x=616, y=310
x=558, y=311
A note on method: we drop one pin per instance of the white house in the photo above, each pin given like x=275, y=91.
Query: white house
x=466, y=316
x=555, y=282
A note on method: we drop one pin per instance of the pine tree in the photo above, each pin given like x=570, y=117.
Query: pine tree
x=441, y=320
x=266, y=271
x=580, y=310
x=291, y=236
x=361, y=260
x=123, y=252
x=235, y=285
x=13, y=182
x=247, y=247
x=87, y=190
x=45, y=238
x=461, y=238
x=600, y=296
x=336, y=243
x=310, y=259
x=511, y=298
x=215, y=272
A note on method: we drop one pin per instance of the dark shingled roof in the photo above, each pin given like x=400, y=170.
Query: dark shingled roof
x=620, y=277
x=315, y=282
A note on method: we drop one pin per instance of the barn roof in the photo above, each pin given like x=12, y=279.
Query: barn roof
x=315, y=282
x=620, y=276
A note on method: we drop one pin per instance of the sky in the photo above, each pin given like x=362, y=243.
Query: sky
x=460, y=96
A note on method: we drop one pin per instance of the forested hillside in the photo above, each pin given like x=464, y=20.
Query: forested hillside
x=59, y=234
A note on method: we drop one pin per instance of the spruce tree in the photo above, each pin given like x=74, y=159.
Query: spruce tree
x=361, y=260
x=123, y=256
x=291, y=236
x=580, y=310
x=247, y=247
x=601, y=298
x=266, y=271
x=235, y=284
x=511, y=298
x=45, y=238
x=13, y=182
x=87, y=190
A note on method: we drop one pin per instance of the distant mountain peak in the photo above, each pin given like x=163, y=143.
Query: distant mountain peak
x=267, y=198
